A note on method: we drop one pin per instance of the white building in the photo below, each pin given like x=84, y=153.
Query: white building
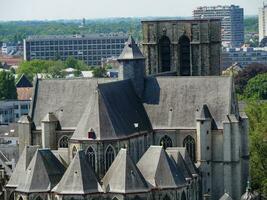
x=262, y=22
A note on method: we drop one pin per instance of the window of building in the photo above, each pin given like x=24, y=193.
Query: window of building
x=166, y=142
x=110, y=155
x=165, y=53
x=184, y=43
x=190, y=145
x=91, y=156
x=74, y=151
x=64, y=142
x=166, y=197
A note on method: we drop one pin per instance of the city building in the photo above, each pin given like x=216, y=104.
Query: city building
x=185, y=47
x=262, y=22
x=135, y=137
x=89, y=48
x=243, y=56
x=232, y=22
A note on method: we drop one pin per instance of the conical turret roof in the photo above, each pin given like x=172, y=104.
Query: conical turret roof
x=131, y=51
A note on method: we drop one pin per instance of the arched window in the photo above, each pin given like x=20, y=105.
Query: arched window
x=64, y=142
x=165, y=53
x=166, y=142
x=183, y=196
x=20, y=198
x=190, y=145
x=74, y=151
x=12, y=196
x=184, y=43
x=91, y=157
x=166, y=197
x=110, y=155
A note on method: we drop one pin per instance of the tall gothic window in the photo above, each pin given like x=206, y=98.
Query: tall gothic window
x=184, y=43
x=165, y=53
x=38, y=198
x=110, y=155
x=166, y=142
x=190, y=145
x=183, y=196
x=91, y=156
x=74, y=151
x=64, y=142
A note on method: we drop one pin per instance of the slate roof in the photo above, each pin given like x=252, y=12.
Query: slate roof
x=180, y=162
x=171, y=102
x=66, y=98
x=226, y=196
x=123, y=176
x=18, y=175
x=79, y=178
x=183, y=152
x=42, y=174
x=131, y=51
x=23, y=82
x=161, y=171
x=111, y=112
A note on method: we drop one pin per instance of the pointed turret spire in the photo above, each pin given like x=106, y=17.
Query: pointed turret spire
x=131, y=51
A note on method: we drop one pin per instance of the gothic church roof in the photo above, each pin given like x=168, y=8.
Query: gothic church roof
x=79, y=178
x=42, y=174
x=123, y=176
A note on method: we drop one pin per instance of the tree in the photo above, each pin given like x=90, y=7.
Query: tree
x=71, y=62
x=257, y=114
x=99, y=72
x=257, y=88
x=249, y=72
x=7, y=86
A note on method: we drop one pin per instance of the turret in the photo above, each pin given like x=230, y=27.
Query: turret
x=49, y=126
x=24, y=132
x=132, y=65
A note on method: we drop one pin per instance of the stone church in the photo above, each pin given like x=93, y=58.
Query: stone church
x=162, y=136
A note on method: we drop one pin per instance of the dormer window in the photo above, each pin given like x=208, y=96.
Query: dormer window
x=91, y=134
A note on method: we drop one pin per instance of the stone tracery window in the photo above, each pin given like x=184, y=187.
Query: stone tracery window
x=110, y=155
x=166, y=142
x=91, y=157
x=184, y=43
x=165, y=53
x=64, y=142
x=190, y=145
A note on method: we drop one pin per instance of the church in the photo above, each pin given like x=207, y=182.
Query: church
x=168, y=128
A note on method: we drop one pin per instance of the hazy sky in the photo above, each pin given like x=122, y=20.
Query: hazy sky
x=76, y=9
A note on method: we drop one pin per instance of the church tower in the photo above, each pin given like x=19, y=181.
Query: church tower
x=132, y=65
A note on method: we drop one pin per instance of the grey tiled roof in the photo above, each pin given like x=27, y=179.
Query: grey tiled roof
x=42, y=174
x=79, y=178
x=123, y=176
x=19, y=173
x=172, y=102
x=226, y=196
x=131, y=51
x=160, y=172
x=111, y=113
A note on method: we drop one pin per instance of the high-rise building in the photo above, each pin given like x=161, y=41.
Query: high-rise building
x=262, y=22
x=89, y=48
x=232, y=22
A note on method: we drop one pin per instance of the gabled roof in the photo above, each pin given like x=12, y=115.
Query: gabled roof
x=111, y=113
x=66, y=98
x=171, y=102
x=123, y=176
x=183, y=152
x=131, y=51
x=161, y=171
x=180, y=162
x=23, y=82
x=19, y=173
x=226, y=196
x=79, y=178
x=42, y=174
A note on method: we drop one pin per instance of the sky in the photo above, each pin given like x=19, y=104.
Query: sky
x=91, y=9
